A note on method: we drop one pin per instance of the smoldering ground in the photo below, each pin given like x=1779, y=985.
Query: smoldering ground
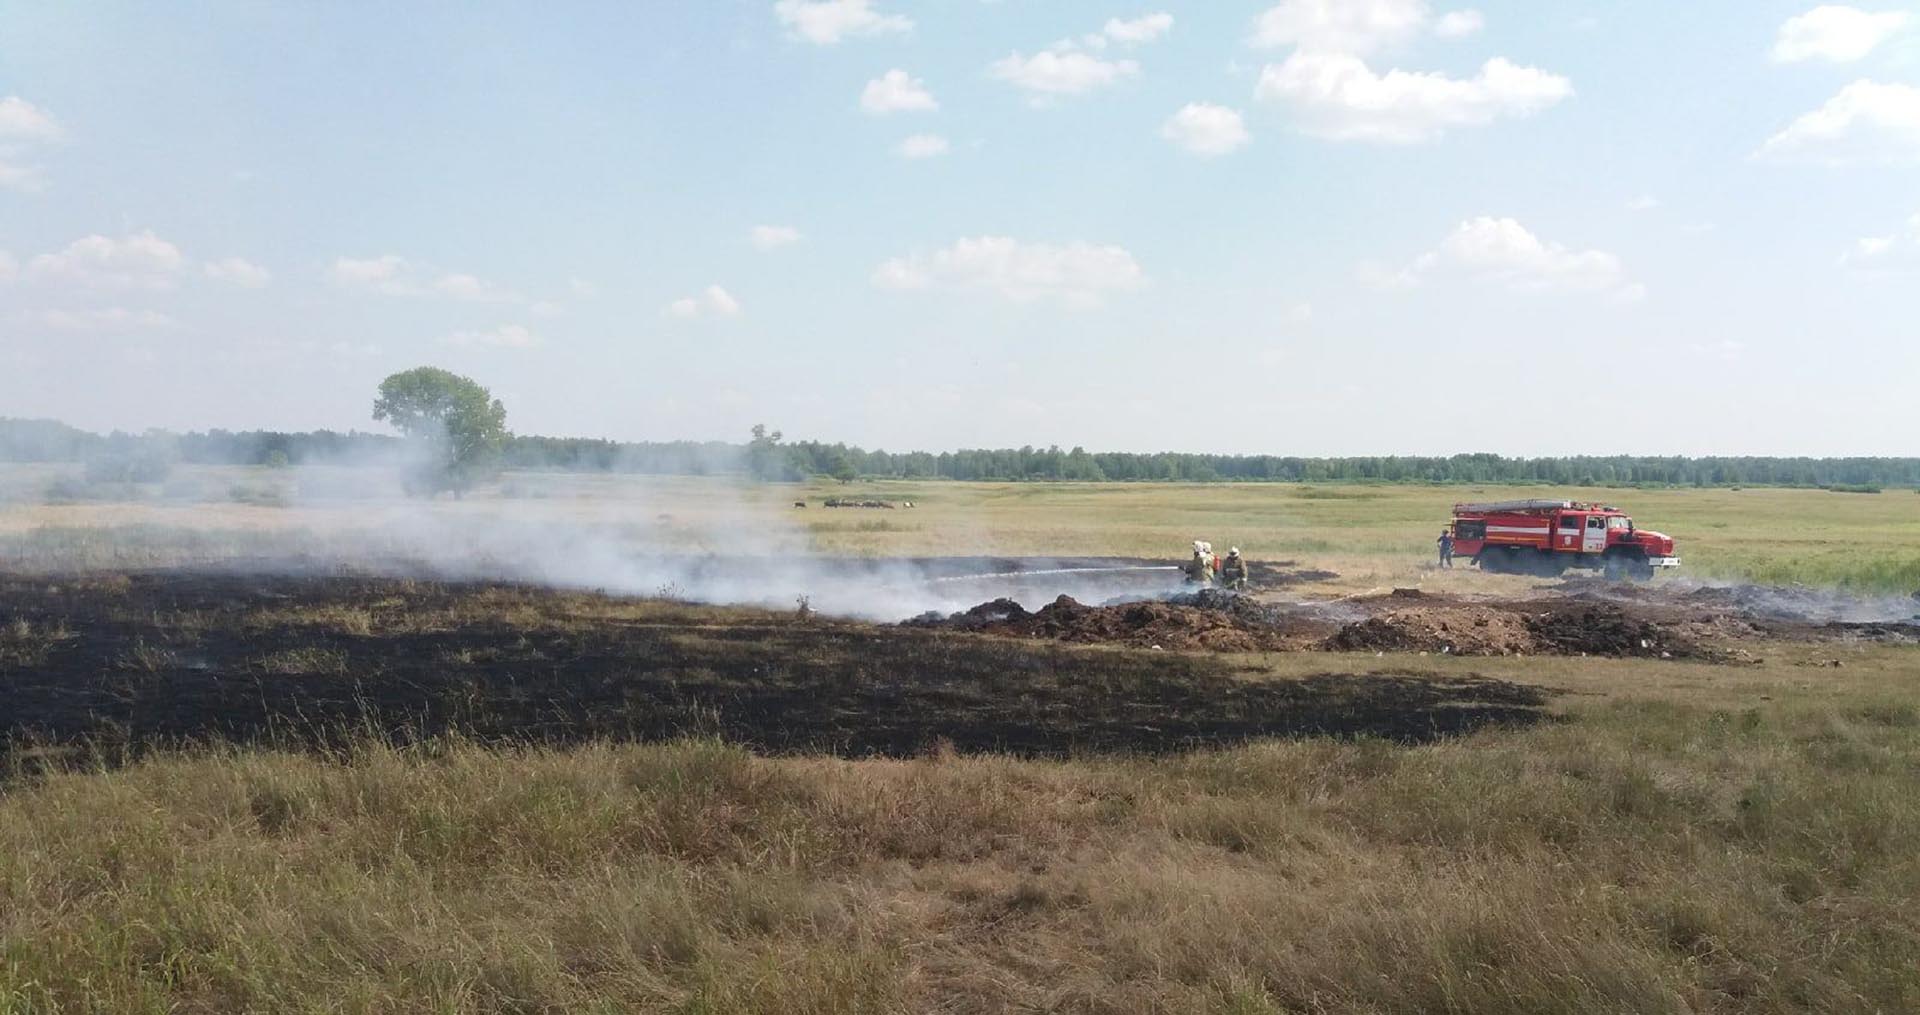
x=726, y=543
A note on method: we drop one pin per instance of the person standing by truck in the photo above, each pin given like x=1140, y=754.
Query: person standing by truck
x=1445, y=542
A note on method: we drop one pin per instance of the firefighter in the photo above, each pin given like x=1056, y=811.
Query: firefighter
x=1199, y=570
x=1445, y=542
x=1234, y=572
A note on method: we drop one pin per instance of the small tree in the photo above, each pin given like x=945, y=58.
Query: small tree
x=841, y=468
x=459, y=423
x=767, y=459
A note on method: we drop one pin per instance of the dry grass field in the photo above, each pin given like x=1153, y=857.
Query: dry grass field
x=1372, y=535
x=352, y=796
x=1681, y=838
x=1384, y=534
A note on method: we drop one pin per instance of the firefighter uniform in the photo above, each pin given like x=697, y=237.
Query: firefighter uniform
x=1234, y=571
x=1199, y=570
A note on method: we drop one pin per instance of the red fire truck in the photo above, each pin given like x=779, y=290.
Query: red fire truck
x=1545, y=537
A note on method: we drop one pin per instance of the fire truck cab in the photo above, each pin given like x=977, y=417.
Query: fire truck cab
x=1546, y=537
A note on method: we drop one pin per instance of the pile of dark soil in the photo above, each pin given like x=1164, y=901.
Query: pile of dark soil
x=1604, y=629
x=1456, y=630
x=1567, y=627
x=1888, y=634
x=1211, y=620
x=1406, y=620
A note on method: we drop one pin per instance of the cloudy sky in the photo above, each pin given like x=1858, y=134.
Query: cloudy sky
x=1316, y=227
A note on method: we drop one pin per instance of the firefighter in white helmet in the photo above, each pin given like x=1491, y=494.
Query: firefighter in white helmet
x=1199, y=570
x=1233, y=573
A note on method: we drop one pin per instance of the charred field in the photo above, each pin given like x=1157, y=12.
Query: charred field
x=159, y=658
x=246, y=792
x=177, y=657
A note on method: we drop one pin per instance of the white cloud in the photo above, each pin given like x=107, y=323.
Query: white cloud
x=506, y=336
x=386, y=273
x=9, y=267
x=461, y=286
x=396, y=276
x=1057, y=72
x=922, y=146
x=825, y=22
x=22, y=125
x=1836, y=34
x=1340, y=26
x=26, y=179
x=1335, y=95
x=1205, y=129
x=773, y=237
x=21, y=120
x=1895, y=252
x=1145, y=28
x=1500, y=251
x=896, y=91
x=713, y=301
x=582, y=289
x=1075, y=274
x=138, y=261
x=1866, y=123
x=1645, y=202
x=106, y=319
x=1459, y=24
x=239, y=271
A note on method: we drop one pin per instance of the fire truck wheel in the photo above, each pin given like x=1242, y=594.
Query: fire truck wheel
x=1627, y=566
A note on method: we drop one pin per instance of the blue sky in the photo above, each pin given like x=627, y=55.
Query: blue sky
x=1306, y=227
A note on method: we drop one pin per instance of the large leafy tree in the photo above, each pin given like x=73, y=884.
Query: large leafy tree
x=459, y=423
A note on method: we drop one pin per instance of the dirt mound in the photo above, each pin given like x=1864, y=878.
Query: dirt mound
x=1405, y=620
x=1210, y=619
x=1459, y=630
x=1890, y=634
x=1568, y=627
x=1603, y=629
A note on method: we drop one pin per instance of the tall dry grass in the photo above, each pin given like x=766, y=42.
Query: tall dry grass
x=1663, y=851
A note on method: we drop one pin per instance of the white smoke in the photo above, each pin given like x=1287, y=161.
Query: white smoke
x=710, y=540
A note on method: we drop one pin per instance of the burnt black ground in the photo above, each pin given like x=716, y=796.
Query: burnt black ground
x=164, y=658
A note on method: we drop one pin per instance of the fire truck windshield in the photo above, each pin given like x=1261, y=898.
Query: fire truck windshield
x=1617, y=522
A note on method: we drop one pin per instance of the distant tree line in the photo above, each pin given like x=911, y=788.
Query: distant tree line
x=767, y=456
